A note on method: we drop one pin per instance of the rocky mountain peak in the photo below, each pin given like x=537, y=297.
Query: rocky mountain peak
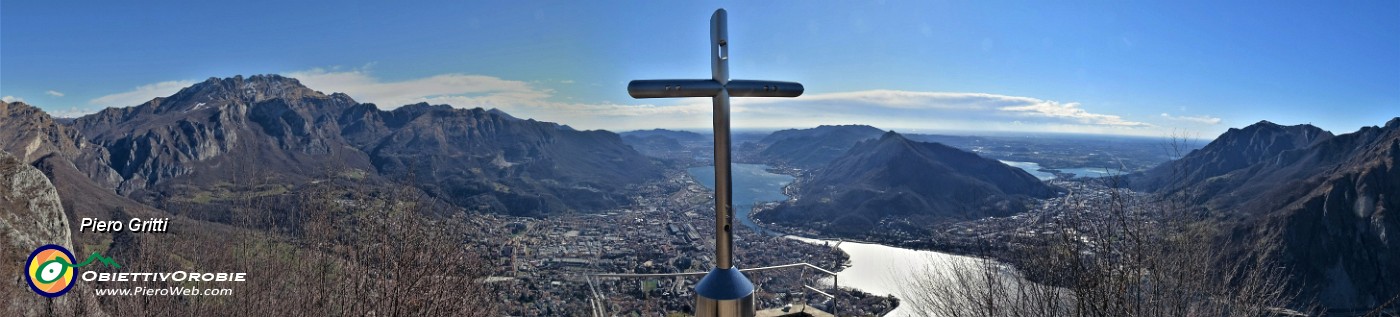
x=1269, y=137
x=251, y=89
x=421, y=108
x=31, y=133
x=1269, y=125
x=1235, y=149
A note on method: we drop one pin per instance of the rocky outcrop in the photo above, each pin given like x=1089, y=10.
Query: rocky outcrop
x=31, y=215
x=32, y=135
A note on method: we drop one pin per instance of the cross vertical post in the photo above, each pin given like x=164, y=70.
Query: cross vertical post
x=724, y=291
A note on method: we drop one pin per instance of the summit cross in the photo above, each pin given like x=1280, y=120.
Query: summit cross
x=724, y=291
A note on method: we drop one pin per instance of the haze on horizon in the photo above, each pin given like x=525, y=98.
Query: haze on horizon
x=1117, y=68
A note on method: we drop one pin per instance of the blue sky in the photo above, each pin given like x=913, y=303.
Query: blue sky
x=1087, y=67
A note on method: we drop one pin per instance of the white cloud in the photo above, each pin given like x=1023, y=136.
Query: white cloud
x=888, y=109
x=70, y=112
x=54, y=93
x=933, y=106
x=892, y=109
x=901, y=99
x=1202, y=119
x=518, y=98
x=1070, y=111
x=916, y=110
x=364, y=88
x=141, y=94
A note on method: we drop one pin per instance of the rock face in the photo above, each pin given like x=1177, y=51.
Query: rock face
x=895, y=180
x=1339, y=216
x=32, y=136
x=79, y=169
x=32, y=216
x=283, y=127
x=33, y=213
x=815, y=147
x=276, y=131
x=1332, y=200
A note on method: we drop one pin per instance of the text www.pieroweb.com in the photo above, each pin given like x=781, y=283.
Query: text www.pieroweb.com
x=164, y=291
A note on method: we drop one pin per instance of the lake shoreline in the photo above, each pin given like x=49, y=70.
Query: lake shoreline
x=881, y=269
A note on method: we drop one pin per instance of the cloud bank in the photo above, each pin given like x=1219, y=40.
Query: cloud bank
x=894, y=109
x=888, y=109
x=1206, y=120
x=141, y=94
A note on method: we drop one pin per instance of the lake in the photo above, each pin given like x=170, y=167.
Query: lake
x=1031, y=167
x=752, y=184
x=876, y=269
x=1092, y=172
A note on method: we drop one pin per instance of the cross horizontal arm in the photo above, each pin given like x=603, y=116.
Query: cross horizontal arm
x=673, y=88
x=763, y=88
x=676, y=88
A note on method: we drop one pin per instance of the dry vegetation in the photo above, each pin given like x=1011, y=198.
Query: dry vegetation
x=1129, y=260
x=1118, y=256
x=343, y=251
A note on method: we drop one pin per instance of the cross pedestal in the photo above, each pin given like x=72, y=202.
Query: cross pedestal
x=724, y=291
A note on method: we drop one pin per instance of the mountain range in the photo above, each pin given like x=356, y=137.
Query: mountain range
x=815, y=147
x=892, y=179
x=195, y=146
x=662, y=142
x=1329, y=201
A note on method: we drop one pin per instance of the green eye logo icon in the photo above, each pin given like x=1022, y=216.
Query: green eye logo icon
x=50, y=271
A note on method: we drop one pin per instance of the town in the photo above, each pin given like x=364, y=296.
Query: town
x=553, y=263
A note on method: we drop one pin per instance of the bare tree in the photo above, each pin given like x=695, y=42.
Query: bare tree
x=343, y=251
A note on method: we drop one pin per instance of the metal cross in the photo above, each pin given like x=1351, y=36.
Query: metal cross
x=719, y=88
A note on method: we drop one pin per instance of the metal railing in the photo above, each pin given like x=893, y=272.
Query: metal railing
x=599, y=309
